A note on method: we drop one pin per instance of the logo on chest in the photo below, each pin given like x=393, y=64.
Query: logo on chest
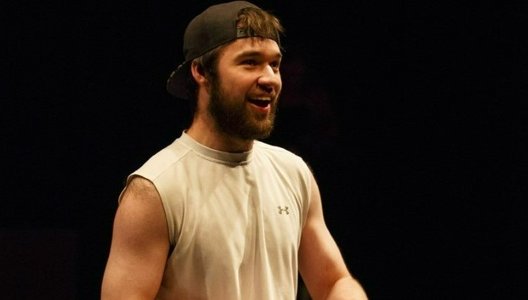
x=283, y=210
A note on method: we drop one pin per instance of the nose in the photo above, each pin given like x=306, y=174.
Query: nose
x=270, y=80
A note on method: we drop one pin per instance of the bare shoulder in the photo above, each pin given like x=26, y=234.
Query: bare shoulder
x=139, y=191
x=139, y=246
x=140, y=186
x=140, y=204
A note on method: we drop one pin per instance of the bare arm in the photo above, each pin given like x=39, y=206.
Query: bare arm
x=321, y=264
x=140, y=245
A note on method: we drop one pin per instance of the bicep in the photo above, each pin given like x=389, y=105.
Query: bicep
x=139, y=245
x=320, y=261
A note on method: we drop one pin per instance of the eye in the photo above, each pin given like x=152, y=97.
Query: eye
x=250, y=62
x=275, y=65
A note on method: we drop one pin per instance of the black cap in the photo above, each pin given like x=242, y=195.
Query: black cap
x=214, y=27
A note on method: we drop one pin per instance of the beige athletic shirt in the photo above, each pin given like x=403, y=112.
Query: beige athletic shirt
x=234, y=220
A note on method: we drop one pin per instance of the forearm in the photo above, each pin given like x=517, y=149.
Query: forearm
x=347, y=288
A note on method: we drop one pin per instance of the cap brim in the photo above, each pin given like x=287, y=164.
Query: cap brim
x=176, y=84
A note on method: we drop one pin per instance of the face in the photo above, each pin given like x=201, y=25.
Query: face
x=244, y=95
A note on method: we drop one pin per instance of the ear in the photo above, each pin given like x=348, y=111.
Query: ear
x=198, y=74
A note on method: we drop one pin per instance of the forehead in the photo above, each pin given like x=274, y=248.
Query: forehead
x=253, y=46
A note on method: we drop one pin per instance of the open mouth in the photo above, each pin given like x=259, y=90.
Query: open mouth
x=259, y=102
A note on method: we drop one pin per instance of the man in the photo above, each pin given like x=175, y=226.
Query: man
x=218, y=214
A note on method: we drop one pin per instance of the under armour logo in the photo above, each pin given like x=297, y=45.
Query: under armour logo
x=283, y=210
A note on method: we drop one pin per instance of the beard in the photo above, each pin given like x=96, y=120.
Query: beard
x=234, y=118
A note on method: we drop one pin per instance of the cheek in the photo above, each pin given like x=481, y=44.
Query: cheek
x=237, y=84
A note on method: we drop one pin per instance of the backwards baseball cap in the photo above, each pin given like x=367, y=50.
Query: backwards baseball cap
x=214, y=27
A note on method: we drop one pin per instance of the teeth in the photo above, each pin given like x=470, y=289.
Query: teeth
x=260, y=102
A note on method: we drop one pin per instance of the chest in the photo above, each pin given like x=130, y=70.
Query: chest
x=241, y=214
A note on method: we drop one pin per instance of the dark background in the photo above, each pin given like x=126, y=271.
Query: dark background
x=404, y=112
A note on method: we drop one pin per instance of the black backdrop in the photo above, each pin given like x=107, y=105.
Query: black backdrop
x=402, y=113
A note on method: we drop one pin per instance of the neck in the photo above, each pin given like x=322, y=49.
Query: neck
x=211, y=137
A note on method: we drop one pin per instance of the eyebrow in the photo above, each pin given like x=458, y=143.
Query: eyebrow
x=252, y=53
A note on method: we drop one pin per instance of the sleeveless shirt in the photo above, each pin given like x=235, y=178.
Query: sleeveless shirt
x=234, y=220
